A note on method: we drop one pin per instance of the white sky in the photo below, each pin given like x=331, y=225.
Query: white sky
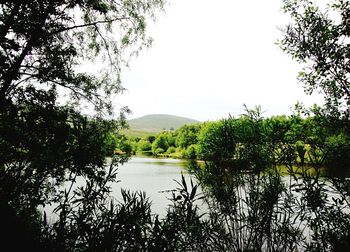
x=211, y=57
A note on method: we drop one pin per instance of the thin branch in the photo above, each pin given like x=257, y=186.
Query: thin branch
x=81, y=94
x=23, y=80
x=89, y=24
x=343, y=83
x=107, y=47
x=12, y=74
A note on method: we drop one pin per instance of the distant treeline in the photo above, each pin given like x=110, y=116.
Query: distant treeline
x=315, y=140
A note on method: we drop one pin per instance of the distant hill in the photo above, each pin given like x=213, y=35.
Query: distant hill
x=158, y=122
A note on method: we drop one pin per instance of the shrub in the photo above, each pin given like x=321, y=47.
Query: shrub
x=171, y=149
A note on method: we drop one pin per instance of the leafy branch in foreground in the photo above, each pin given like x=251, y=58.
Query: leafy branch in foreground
x=45, y=142
x=43, y=44
x=319, y=39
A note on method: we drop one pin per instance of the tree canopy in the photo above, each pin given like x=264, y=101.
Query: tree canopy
x=43, y=44
x=56, y=55
x=319, y=39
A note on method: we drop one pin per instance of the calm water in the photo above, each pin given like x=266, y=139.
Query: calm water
x=152, y=176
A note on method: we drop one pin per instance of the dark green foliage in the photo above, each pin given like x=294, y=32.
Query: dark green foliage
x=151, y=139
x=44, y=145
x=319, y=39
x=267, y=212
x=216, y=141
x=160, y=144
x=191, y=151
x=43, y=42
x=170, y=139
x=182, y=228
x=45, y=148
x=42, y=141
x=124, y=144
x=248, y=142
x=250, y=208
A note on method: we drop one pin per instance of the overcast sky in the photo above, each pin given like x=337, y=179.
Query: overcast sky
x=211, y=57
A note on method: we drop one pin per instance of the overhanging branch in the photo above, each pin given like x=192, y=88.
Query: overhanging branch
x=89, y=24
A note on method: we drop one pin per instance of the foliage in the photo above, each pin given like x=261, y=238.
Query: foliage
x=254, y=150
x=191, y=151
x=171, y=149
x=261, y=212
x=47, y=147
x=158, y=151
x=44, y=42
x=144, y=146
x=151, y=139
x=160, y=144
x=216, y=141
x=43, y=148
x=258, y=143
x=170, y=139
x=187, y=135
x=319, y=39
x=124, y=144
x=45, y=142
x=241, y=141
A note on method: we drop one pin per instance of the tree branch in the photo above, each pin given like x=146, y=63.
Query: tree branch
x=107, y=46
x=88, y=24
x=76, y=92
x=13, y=73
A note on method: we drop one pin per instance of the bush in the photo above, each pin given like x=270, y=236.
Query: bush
x=216, y=141
x=171, y=150
x=158, y=151
x=161, y=142
x=191, y=151
x=144, y=146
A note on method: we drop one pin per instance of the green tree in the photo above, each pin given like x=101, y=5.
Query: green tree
x=124, y=144
x=319, y=40
x=187, y=135
x=43, y=43
x=191, y=151
x=170, y=138
x=171, y=150
x=216, y=141
x=144, y=146
x=44, y=141
x=254, y=150
x=151, y=139
x=160, y=144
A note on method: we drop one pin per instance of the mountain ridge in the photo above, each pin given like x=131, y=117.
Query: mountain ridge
x=159, y=122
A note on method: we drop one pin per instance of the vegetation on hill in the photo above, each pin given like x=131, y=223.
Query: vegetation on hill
x=159, y=122
x=137, y=133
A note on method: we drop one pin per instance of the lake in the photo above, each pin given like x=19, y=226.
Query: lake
x=153, y=176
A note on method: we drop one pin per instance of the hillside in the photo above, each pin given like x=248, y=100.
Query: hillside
x=158, y=122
